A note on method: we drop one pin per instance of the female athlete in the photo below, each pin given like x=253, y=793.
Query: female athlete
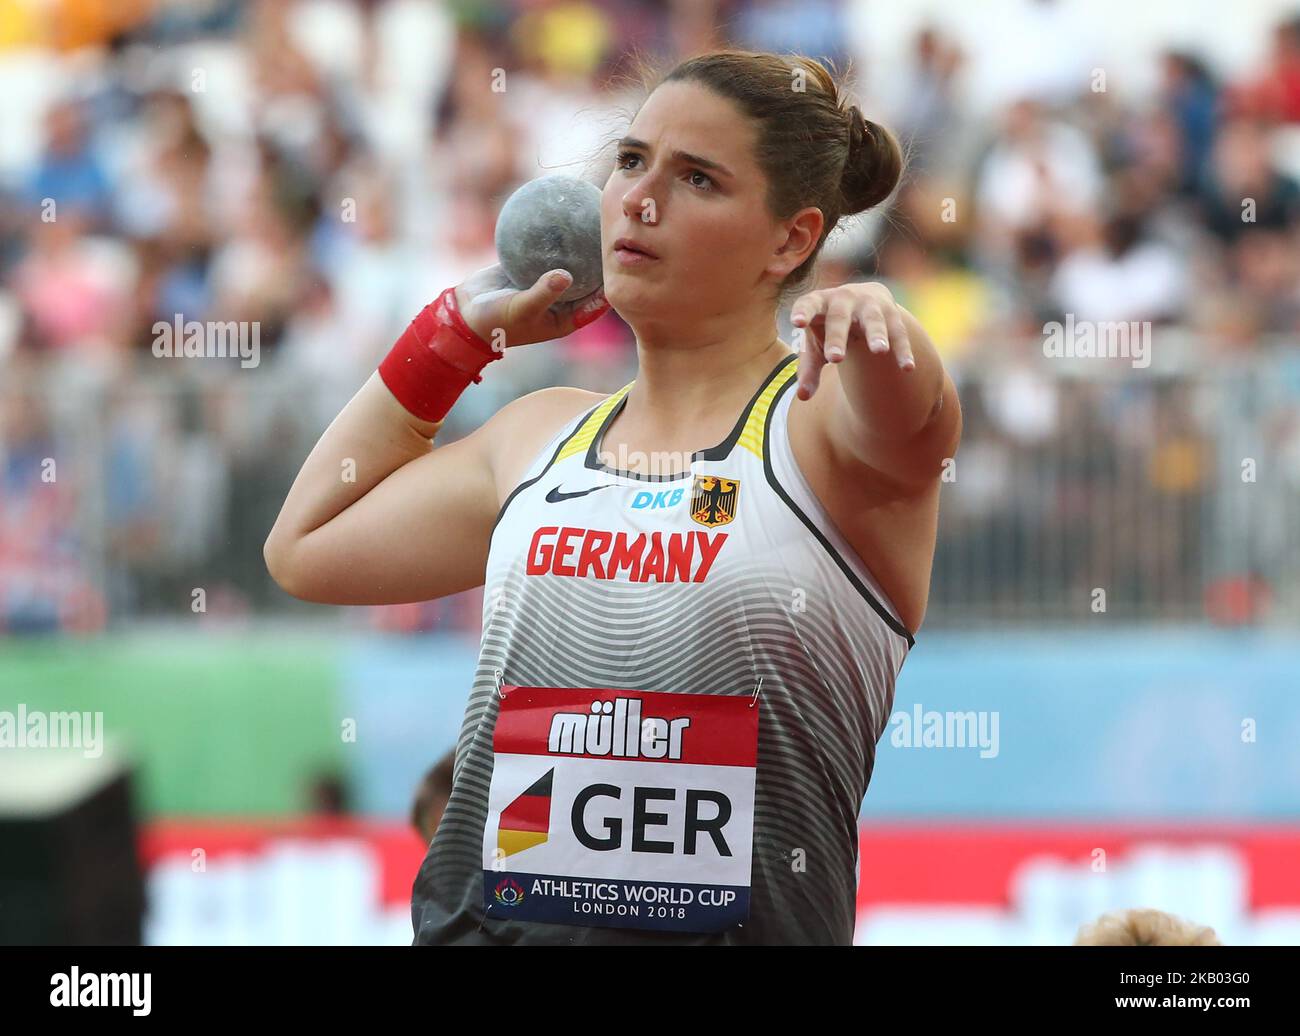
x=699, y=590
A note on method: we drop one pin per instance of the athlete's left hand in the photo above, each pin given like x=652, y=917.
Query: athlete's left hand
x=863, y=318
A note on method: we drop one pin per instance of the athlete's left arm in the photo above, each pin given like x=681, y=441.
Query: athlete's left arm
x=891, y=406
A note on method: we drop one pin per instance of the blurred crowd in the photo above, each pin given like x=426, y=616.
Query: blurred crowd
x=320, y=169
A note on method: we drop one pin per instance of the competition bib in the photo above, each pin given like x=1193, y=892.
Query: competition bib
x=625, y=809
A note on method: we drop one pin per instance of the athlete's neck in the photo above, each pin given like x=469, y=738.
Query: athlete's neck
x=683, y=376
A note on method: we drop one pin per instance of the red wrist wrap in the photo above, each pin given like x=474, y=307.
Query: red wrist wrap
x=437, y=357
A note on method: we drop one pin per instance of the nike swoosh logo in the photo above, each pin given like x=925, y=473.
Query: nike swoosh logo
x=555, y=496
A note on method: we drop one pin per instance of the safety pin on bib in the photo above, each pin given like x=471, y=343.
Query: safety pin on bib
x=499, y=681
x=757, y=687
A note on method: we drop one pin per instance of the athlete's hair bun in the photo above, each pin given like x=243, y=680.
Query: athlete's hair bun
x=873, y=165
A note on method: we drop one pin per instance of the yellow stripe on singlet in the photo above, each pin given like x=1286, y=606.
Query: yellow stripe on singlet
x=751, y=436
x=581, y=439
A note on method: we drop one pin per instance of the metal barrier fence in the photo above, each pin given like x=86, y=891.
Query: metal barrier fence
x=1088, y=492
x=1084, y=491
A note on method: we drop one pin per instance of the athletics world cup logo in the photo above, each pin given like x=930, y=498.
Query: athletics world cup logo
x=509, y=892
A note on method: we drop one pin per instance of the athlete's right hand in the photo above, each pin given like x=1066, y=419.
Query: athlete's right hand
x=504, y=315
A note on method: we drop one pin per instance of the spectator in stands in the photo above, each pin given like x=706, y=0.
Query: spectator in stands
x=44, y=584
x=1244, y=191
x=931, y=113
x=1039, y=171
x=1117, y=271
x=1275, y=92
x=70, y=172
x=1190, y=96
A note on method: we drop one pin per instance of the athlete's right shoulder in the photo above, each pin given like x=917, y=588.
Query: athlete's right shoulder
x=518, y=431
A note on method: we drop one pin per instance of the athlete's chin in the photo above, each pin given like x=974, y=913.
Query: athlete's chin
x=632, y=294
x=652, y=273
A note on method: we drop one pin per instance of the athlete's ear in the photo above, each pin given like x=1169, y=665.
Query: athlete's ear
x=794, y=240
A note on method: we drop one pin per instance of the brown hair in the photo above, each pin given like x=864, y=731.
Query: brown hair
x=1144, y=928
x=435, y=787
x=814, y=147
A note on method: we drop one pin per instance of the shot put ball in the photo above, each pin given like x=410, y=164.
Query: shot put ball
x=552, y=223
